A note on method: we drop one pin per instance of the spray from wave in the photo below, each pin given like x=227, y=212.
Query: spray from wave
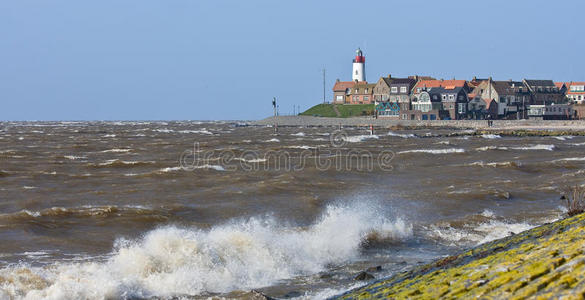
x=245, y=254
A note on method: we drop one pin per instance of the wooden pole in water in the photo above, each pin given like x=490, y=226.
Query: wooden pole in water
x=275, y=120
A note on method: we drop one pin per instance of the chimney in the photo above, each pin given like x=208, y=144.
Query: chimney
x=389, y=76
x=337, y=80
x=474, y=78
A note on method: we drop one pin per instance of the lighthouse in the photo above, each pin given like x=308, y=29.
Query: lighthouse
x=359, y=66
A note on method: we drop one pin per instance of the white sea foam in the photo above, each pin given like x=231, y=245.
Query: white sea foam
x=116, y=150
x=490, y=136
x=435, y=151
x=213, y=167
x=273, y=140
x=402, y=135
x=109, y=135
x=530, y=147
x=360, y=138
x=202, y=131
x=172, y=261
x=536, y=147
x=563, y=138
x=570, y=159
x=73, y=157
x=170, y=169
x=482, y=233
x=298, y=134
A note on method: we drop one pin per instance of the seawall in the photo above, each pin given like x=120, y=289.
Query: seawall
x=546, y=262
x=309, y=121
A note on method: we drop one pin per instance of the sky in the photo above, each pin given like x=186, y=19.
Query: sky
x=226, y=60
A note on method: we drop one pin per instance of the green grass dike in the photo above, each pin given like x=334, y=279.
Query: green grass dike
x=345, y=110
x=547, y=262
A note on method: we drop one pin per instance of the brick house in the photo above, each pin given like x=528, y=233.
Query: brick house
x=361, y=93
x=453, y=101
x=512, y=97
x=544, y=92
x=341, y=91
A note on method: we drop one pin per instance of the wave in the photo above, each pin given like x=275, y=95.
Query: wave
x=82, y=211
x=490, y=136
x=116, y=163
x=202, y=131
x=116, y=150
x=531, y=147
x=502, y=164
x=273, y=140
x=570, y=159
x=360, y=138
x=172, y=261
x=405, y=136
x=435, y=151
x=298, y=134
x=563, y=138
x=74, y=157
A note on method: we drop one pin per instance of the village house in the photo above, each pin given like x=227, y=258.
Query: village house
x=361, y=93
x=341, y=91
x=575, y=91
x=453, y=101
x=511, y=98
x=544, y=92
x=477, y=108
x=395, y=91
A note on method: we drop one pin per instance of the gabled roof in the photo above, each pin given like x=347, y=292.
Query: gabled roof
x=561, y=84
x=534, y=82
x=342, y=86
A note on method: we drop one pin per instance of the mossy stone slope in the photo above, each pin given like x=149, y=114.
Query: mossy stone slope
x=546, y=262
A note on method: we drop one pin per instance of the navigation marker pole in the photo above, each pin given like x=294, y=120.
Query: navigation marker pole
x=274, y=107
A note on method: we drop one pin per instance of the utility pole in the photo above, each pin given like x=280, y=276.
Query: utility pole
x=274, y=107
x=323, y=85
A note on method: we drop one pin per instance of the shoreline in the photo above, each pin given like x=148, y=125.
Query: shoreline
x=545, y=261
x=498, y=125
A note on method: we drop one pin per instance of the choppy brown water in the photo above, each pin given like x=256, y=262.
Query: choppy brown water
x=102, y=209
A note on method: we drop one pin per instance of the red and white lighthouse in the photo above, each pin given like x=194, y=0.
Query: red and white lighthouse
x=359, y=66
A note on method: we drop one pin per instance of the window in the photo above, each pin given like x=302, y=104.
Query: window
x=418, y=90
x=403, y=89
x=444, y=97
x=461, y=108
x=356, y=72
x=366, y=91
x=394, y=89
x=435, y=97
x=502, y=99
x=339, y=98
x=451, y=97
x=366, y=98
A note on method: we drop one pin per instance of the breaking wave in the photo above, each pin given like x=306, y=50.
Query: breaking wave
x=172, y=261
x=531, y=147
x=490, y=136
x=402, y=135
x=501, y=164
x=435, y=151
x=360, y=138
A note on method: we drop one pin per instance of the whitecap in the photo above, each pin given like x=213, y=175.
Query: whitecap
x=435, y=151
x=405, y=136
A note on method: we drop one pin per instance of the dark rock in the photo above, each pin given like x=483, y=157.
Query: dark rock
x=364, y=276
x=256, y=295
x=374, y=269
x=511, y=233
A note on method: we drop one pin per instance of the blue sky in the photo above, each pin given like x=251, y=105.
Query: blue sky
x=193, y=60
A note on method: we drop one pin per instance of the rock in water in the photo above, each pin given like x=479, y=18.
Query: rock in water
x=374, y=269
x=256, y=295
x=364, y=276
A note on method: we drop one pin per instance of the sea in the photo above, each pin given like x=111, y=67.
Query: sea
x=217, y=210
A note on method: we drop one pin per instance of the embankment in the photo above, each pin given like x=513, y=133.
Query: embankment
x=545, y=262
x=309, y=121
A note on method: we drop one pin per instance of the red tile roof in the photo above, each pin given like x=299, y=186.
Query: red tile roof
x=341, y=86
x=451, y=84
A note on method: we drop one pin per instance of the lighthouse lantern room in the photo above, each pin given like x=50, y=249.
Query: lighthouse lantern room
x=359, y=66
